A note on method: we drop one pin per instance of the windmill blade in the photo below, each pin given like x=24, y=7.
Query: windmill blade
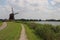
x=16, y=13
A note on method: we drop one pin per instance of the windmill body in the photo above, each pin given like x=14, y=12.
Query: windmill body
x=11, y=16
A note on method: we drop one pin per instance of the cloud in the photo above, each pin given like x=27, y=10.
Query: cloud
x=57, y=0
x=4, y=12
x=37, y=9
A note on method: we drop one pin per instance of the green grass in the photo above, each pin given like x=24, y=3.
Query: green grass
x=30, y=34
x=0, y=23
x=11, y=32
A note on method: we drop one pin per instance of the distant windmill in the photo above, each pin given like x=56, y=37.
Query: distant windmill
x=11, y=16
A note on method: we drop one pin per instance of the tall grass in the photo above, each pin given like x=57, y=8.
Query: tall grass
x=45, y=31
x=11, y=32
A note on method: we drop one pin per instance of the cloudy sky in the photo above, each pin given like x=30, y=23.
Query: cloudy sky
x=31, y=9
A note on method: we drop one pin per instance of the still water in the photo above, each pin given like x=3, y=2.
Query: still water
x=49, y=22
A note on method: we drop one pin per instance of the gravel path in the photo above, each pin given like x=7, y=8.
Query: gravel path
x=3, y=26
x=23, y=33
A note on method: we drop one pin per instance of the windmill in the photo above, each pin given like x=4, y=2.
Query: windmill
x=11, y=16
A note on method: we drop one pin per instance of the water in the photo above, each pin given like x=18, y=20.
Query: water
x=49, y=22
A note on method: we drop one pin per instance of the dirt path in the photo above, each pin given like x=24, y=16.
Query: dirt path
x=23, y=34
x=3, y=26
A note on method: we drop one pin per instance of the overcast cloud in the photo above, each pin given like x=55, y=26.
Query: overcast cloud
x=31, y=9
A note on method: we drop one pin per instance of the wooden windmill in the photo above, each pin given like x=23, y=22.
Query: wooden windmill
x=11, y=16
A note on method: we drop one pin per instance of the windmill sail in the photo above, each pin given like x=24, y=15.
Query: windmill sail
x=12, y=11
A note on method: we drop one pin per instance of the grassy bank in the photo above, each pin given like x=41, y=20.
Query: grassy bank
x=30, y=34
x=42, y=31
x=11, y=32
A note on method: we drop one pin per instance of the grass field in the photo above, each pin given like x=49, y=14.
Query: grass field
x=34, y=31
x=0, y=23
x=11, y=32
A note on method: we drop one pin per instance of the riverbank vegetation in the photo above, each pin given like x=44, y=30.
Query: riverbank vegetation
x=42, y=31
x=11, y=32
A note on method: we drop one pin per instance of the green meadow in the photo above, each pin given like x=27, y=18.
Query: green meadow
x=34, y=31
x=0, y=23
x=11, y=32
